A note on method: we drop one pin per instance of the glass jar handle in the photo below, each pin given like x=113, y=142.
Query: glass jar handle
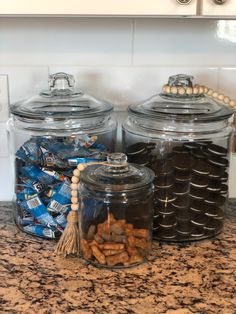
x=181, y=80
x=61, y=81
x=183, y=1
x=117, y=162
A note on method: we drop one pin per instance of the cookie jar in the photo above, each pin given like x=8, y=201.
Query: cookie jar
x=50, y=134
x=116, y=212
x=184, y=137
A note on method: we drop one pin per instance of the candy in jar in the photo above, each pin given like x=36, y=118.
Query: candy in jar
x=50, y=134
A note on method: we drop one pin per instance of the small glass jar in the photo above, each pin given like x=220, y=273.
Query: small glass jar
x=184, y=138
x=116, y=212
x=49, y=135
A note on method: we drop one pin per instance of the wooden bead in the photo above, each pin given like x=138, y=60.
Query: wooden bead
x=81, y=167
x=189, y=90
x=74, y=193
x=75, y=207
x=210, y=92
x=221, y=97
x=195, y=90
x=167, y=89
x=201, y=89
x=206, y=89
x=215, y=95
x=75, y=179
x=74, y=186
x=174, y=90
x=74, y=200
x=232, y=103
x=181, y=90
x=76, y=172
x=226, y=100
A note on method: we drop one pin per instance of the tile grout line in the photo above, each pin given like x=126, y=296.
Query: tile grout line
x=133, y=28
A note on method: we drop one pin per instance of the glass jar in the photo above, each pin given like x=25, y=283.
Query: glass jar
x=49, y=135
x=116, y=210
x=185, y=140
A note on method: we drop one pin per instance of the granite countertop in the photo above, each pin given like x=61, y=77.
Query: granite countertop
x=195, y=278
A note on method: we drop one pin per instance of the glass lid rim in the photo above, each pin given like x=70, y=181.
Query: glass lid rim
x=88, y=181
x=139, y=110
x=103, y=108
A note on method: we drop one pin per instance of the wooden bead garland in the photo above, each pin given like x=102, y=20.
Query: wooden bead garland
x=198, y=90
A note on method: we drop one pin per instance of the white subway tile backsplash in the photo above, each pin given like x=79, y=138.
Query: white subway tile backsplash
x=25, y=81
x=3, y=142
x=182, y=42
x=124, y=85
x=84, y=41
x=6, y=190
x=227, y=81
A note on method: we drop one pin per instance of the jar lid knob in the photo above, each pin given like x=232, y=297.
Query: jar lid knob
x=117, y=159
x=61, y=81
x=182, y=80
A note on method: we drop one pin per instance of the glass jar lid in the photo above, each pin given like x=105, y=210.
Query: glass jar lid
x=61, y=102
x=181, y=108
x=116, y=175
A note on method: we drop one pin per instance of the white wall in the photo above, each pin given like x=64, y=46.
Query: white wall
x=120, y=60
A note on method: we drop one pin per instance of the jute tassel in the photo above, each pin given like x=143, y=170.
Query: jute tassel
x=69, y=240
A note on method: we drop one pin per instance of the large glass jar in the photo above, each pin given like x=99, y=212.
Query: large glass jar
x=185, y=138
x=116, y=212
x=50, y=134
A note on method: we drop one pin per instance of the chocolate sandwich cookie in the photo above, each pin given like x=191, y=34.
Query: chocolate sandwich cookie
x=220, y=214
x=216, y=171
x=197, y=231
x=136, y=149
x=198, y=219
x=183, y=228
x=182, y=162
x=212, y=211
x=190, y=145
x=214, y=185
x=162, y=167
x=224, y=189
x=181, y=202
x=218, y=161
x=165, y=195
x=217, y=150
x=198, y=206
x=198, y=153
x=182, y=215
x=182, y=176
x=140, y=159
x=164, y=181
x=198, y=193
x=213, y=226
x=215, y=199
x=164, y=208
x=201, y=167
x=167, y=221
x=224, y=177
x=181, y=188
x=155, y=222
x=180, y=150
x=199, y=181
x=165, y=233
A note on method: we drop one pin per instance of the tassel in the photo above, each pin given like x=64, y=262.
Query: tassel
x=69, y=241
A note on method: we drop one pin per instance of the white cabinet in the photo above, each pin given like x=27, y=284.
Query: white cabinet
x=98, y=7
x=211, y=8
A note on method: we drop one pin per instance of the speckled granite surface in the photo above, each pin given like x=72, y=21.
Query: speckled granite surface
x=197, y=278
